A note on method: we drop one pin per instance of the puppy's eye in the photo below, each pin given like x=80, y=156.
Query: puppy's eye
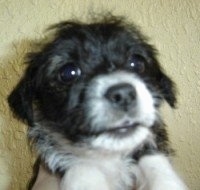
x=69, y=73
x=137, y=63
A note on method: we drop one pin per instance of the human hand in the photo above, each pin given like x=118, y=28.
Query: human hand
x=46, y=181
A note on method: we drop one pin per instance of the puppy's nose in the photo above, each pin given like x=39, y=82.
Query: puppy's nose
x=121, y=96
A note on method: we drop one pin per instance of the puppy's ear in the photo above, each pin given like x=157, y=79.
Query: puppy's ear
x=168, y=90
x=21, y=98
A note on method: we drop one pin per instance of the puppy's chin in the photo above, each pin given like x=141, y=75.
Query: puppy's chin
x=125, y=139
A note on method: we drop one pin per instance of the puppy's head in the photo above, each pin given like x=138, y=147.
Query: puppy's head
x=95, y=78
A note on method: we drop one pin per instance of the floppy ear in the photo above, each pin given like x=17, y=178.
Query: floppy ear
x=21, y=98
x=168, y=90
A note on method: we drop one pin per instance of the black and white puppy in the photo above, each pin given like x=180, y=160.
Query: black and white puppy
x=91, y=98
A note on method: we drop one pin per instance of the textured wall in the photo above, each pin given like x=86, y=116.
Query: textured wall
x=173, y=25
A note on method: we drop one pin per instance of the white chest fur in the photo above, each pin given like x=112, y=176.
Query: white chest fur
x=102, y=172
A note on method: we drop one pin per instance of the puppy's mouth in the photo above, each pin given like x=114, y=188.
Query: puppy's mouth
x=121, y=130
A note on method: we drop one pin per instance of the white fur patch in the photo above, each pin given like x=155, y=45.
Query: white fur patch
x=102, y=171
x=159, y=174
x=101, y=114
x=84, y=177
x=128, y=144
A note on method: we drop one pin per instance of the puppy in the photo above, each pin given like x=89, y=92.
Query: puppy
x=91, y=98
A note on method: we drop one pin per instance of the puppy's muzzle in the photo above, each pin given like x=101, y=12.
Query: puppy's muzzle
x=121, y=96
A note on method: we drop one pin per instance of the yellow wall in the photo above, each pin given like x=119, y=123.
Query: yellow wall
x=173, y=25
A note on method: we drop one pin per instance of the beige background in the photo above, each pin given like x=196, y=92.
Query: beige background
x=172, y=25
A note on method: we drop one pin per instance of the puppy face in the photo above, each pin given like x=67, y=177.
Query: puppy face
x=93, y=79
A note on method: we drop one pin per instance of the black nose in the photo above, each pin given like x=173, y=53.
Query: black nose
x=122, y=96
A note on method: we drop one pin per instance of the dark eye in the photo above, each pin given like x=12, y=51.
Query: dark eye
x=69, y=72
x=137, y=63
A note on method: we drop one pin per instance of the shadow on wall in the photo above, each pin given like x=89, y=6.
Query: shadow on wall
x=16, y=158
